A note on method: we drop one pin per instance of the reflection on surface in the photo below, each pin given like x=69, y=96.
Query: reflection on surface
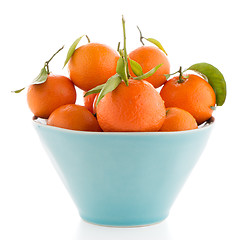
x=87, y=231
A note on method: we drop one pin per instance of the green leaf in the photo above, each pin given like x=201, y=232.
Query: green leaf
x=41, y=77
x=215, y=79
x=18, y=91
x=136, y=67
x=122, y=70
x=157, y=43
x=111, y=84
x=94, y=90
x=72, y=49
x=148, y=74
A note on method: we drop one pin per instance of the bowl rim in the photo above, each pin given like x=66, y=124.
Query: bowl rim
x=207, y=124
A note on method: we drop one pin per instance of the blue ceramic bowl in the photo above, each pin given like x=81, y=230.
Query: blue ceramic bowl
x=123, y=179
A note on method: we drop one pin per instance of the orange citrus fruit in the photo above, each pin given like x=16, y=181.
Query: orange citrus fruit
x=44, y=98
x=134, y=108
x=92, y=64
x=193, y=94
x=88, y=101
x=178, y=119
x=74, y=117
x=149, y=57
x=95, y=104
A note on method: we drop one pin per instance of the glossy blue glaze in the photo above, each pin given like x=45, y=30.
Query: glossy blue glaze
x=123, y=179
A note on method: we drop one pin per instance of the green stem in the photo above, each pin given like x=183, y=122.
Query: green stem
x=120, y=51
x=141, y=36
x=54, y=54
x=47, y=62
x=87, y=38
x=125, y=48
x=46, y=65
x=118, y=47
x=181, y=79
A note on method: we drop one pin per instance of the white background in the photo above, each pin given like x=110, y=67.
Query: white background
x=33, y=202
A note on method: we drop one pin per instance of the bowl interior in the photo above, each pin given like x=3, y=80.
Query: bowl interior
x=43, y=122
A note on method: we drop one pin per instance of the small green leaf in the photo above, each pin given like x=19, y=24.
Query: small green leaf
x=122, y=70
x=18, y=91
x=215, y=79
x=72, y=49
x=41, y=77
x=148, y=74
x=110, y=85
x=157, y=43
x=94, y=90
x=136, y=67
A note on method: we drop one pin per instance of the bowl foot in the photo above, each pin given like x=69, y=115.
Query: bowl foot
x=124, y=225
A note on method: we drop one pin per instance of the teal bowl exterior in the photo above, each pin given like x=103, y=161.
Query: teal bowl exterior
x=123, y=179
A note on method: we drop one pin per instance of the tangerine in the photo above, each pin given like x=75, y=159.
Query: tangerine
x=44, y=98
x=178, y=119
x=149, y=57
x=92, y=65
x=134, y=108
x=74, y=117
x=192, y=94
x=88, y=101
x=95, y=104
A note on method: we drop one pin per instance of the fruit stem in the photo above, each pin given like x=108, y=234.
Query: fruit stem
x=118, y=47
x=124, y=47
x=181, y=79
x=47, y=62
x=119, y=50
x=87, y=38
x=141, y=36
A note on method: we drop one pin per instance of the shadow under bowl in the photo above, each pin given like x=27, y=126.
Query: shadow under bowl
x=123, y=179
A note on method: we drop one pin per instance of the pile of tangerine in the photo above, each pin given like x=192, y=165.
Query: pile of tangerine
x=125, y=92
